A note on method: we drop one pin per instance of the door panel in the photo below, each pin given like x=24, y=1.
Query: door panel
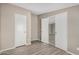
x=61, y=31
x=44, y=30
x=20, y=30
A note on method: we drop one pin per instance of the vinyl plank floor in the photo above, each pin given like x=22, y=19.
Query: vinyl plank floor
x=36, y=48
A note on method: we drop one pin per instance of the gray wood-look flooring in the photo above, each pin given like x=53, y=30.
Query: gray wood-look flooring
x=36, y=48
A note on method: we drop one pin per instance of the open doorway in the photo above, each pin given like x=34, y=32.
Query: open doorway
x=52, y=33
x=52, y=30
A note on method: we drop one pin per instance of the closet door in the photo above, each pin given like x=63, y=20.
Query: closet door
x=45, y=30
x=61, y=30
x=20, y=30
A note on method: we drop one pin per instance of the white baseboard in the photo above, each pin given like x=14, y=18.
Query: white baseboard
x=70, y=53
x=11, y=48
x=45, y=42
x=7, y=49
x=35, y=39
x=28, y=44
x=67, y=51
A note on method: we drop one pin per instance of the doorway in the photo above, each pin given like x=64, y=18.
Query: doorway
x=20, y=30
x=52, y=34
x=52, y=30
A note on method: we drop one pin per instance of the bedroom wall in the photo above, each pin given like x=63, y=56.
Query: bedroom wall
x=8, y=25
x=34, y=29
x=73, y=28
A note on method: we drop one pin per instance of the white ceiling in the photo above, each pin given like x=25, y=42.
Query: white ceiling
x=40, y=8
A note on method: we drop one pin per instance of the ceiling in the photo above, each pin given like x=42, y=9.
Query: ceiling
x=40, y=8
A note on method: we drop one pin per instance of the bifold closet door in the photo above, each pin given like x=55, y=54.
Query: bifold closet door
x=45, y=30
x=20, y=30
x=61, y=30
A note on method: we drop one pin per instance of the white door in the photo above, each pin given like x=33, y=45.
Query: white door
x=20, y=30
x=44, y=30
x=61, y=30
